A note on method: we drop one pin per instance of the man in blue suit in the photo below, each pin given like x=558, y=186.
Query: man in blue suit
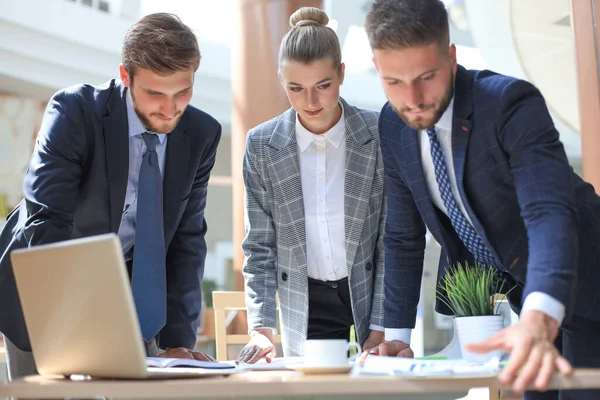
x=130, y=157
x=474, y=157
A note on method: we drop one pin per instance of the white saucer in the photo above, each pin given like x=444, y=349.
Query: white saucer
x=314, y=370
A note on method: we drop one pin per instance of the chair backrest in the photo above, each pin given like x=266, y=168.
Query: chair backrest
x=223, y=304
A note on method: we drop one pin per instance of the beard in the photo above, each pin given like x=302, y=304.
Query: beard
x=162, y=128
x=419, y=123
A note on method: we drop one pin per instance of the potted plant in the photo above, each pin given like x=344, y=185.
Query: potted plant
x=469, y=293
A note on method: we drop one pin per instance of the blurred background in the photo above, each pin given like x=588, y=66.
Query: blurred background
x=46, y=45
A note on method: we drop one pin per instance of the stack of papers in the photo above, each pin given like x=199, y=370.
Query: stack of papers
x=159, y=362
x=395, y=366
x=281, y=363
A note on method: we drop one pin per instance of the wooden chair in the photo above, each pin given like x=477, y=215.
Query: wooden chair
x=224, y=303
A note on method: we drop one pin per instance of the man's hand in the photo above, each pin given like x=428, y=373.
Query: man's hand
x=375, y=339
x=533, y=355
x=261, y=345
x=182, y=352
x=391, y=348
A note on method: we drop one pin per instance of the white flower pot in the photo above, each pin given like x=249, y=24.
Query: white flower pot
x=474, y=330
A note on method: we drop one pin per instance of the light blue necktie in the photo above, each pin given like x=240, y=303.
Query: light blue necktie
x=463, y=228
x=148, y=280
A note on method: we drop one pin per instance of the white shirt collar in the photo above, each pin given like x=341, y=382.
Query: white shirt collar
x=304, y=137
x=445, y=122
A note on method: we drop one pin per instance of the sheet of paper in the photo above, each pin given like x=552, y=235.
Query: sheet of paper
x=378, y=365
x=277, y=363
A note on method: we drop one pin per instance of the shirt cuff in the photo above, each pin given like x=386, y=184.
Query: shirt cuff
x=545, y=303
x=402, y=335
x=377, y=328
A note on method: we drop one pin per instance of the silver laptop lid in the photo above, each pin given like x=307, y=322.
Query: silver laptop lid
x=78, y=308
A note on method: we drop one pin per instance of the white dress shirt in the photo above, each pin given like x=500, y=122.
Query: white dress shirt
x=534, y=301
x=322, y=165
x=322, y=170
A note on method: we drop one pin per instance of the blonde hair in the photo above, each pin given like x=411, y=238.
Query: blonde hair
x=310, y=39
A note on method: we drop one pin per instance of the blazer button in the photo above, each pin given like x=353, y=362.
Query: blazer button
x=284, y=276
x=369, y=267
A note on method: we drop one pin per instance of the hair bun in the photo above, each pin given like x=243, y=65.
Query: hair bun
x=309, y=16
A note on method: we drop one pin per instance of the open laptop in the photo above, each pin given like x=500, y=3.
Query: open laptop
x=80, y=314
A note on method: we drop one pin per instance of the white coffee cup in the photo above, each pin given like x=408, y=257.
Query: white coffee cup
x=329, y=352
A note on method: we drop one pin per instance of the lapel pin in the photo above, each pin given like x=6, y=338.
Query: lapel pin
x=464, y=128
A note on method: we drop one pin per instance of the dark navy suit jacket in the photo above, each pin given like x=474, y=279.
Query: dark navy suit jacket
x=536, y=215
x=75, y=187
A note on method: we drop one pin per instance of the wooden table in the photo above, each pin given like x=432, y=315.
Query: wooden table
x=280, y=384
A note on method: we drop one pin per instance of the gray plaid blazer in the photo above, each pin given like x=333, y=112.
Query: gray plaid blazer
x=275, y=242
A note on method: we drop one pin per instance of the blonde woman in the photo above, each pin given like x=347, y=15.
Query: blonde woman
x=315, y=205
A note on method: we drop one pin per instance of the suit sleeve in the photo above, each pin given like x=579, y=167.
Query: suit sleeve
x=185, y=259
x=404, y=239
x=378, y=285
x=55, y=172
x=259, y=246
x=543, y=182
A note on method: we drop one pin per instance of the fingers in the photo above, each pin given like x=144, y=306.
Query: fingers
x=495, y=342
x=241, y=356
x=246, y=353
x=394, y=348
x=271, y=355
x=549, y=364
x=382, y=349
x=367, y=353
x=564, y=366
x=202, y=356
x=519, y=355
x=542, y=362
x=256, y=355
x=406, y=353
x=532, y=367
x=387, y=349
x=252, y=352
x=545, y=372
x=178, y=352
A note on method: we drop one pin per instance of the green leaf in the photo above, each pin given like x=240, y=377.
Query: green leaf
x=469, y=290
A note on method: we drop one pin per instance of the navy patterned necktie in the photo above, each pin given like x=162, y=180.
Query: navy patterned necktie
x=148, y=280
x=463, y=228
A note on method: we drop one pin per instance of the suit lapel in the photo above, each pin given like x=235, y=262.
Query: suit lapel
x=461, y=129
x=116, y=142
x=361, y=157
x=461, y=134
x=411, y=158
x=176, y=164
x=284, y=170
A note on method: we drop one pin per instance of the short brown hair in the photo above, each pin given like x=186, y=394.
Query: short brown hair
x=161, y=43
x=400, y=24
x=310, y=39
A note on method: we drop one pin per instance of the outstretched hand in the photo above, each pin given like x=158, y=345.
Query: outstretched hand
x=534, y=358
